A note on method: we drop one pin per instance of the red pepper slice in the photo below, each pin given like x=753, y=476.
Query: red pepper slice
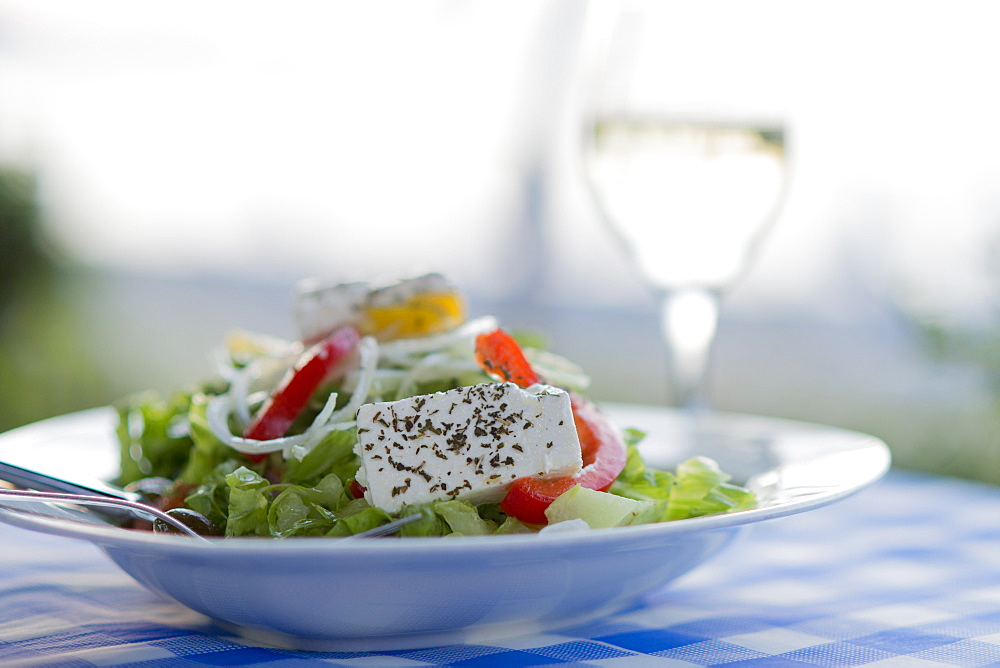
x=295, y=389
x=601, y=444
x=501, y=356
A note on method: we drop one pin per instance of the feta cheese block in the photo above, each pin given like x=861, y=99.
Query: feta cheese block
x=467, y=443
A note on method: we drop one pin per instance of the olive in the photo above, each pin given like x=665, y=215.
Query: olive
x=190, y=518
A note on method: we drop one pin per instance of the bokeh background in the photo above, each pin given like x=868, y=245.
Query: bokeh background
x=168, y=171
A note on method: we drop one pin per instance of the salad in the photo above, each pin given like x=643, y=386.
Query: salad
x=393, y=403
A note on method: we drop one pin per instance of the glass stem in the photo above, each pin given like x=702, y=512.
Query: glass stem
x=689, y=318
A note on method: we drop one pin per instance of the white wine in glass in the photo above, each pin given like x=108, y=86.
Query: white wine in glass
x=690, y=198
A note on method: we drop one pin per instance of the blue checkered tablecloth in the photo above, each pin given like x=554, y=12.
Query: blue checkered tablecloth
x=906, y=573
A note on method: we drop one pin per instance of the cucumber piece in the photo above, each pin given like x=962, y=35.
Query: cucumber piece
x=599, y=509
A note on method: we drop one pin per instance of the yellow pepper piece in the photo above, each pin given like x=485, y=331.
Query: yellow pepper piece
x=243, y=344
x=421, y=314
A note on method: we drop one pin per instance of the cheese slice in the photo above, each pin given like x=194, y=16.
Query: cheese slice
x=468, y=443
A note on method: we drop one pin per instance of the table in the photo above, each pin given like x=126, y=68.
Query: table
x=905, y=573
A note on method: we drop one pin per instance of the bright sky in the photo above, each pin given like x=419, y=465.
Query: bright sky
x=340, y=138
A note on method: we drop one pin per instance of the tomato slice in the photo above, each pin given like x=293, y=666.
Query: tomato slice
x=601, y=444
x=292, y=395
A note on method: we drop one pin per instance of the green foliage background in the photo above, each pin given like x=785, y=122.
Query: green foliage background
x=45, y=368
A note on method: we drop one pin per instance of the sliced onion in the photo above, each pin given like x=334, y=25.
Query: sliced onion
x=220, y=407
x=557, y=370
x=261, y=370
x=436, y=366
x=426, y=344
x=368, y=350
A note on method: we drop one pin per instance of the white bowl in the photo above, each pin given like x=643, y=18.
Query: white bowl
x=391, y=593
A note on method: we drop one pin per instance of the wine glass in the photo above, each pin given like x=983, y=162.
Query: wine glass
x=688, y=191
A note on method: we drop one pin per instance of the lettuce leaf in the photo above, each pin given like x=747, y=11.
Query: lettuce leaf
x=696, y=487
x=207, y=451
x=248, y=503
x=211, y=498
x=256, y=507
x=152, y=436
x=701, y=488
x=638, y=481
x=429, y=524
x=334, y=454
x=363, y=520
x=463, y=518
